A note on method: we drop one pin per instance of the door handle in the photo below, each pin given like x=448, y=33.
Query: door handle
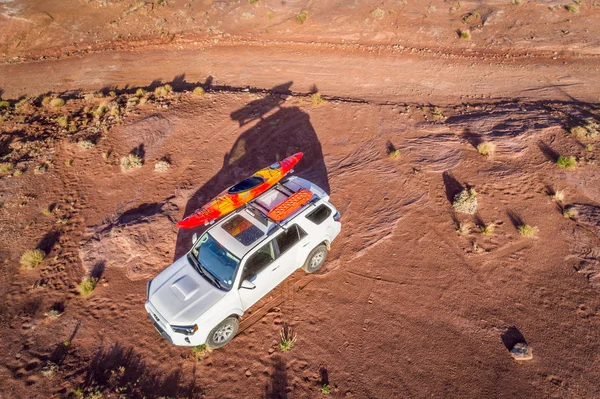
x=305, y=245
x=275, y=268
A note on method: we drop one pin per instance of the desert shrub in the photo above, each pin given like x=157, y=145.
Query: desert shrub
x=41, y=169
x=68, y=163
x=162, y=166
x=471, y=18
x=101, y=110
x=140, y=93
x=464, y=229
x=487, y=229
x=486, y=148
x=464, y=34
x=516, y=2
x=316, y=98
x=378, y=13
x=466, y=201
x=572, y=8
x=270, y=14
x=85, y=144
x=87, y=286
x=31, y=259
x=62, y=121
x=4, y=105
x=287, y=339
x=566, y=162
x=162, y=91
x=200, y=351
x=578, y=131
x=198, y=91
x=6, y=167
x=528, y=231
x=393, y=154
x=46, y=101
x=589, y=147
x=46, y=212
x=49, y=370
x=56, y=102
x=18, y=173
x=301, y=17
x=130, y=162
x=252, y=1
x=325, y=389
x=53, y=314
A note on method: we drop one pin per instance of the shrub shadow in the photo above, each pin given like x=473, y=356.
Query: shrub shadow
x=515, y=218
x=452, y=186
x=548, y=152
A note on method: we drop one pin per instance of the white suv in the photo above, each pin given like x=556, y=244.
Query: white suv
x=200, y=298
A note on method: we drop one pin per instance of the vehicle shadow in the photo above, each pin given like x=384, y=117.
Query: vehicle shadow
x=279, y=131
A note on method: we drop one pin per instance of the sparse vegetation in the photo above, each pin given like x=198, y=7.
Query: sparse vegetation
x=101, y=110
x=301, y=17
x=589, y=147
x=130, y=162
x=566, y=162
x=87, y=286
x=140, y=93
x=49, y=370
x=17, y=173
x=198, y=91
x=528, y=231
x=41, y=169
x=252, y=1
x=85, y=144
x=325, y=389
x=287, y=339
x=486, y=148
x=31, y=259
x=6, y=167
x=471, y=18
x=162, y=166
x=68, y=163
x=200, y=351
x=270, y=14
x=57, y=102
x=464, y=229
x=316, y=99
x=393, y=154
x=464, y=34
x=466, y=201
x=516, y=2
x=46, y=212
x=589, y=129
x=4, y=104
x=62, y=121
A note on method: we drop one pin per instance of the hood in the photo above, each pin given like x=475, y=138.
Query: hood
x=180, y=294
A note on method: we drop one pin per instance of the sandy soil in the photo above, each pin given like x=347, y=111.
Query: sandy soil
x=406, y=306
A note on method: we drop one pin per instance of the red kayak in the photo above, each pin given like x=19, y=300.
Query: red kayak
x=241, y=193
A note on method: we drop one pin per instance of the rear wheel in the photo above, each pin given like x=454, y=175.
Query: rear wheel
x=223, y=333
x=315, y=259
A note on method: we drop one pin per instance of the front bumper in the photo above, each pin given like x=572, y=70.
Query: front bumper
x=164, y=329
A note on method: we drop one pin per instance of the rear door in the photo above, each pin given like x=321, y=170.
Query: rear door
x=292, y=245
x=262, y=269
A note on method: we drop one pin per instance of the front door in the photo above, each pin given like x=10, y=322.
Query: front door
x=261, y=269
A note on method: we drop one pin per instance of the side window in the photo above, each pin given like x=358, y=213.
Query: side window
x=288, y=238
x=258, y=261
x=320, y=214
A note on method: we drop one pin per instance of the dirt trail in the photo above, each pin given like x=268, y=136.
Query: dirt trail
x=385, y=77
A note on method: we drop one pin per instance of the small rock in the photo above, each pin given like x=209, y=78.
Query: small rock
x=271, y=350
x=521, y=352
x=248, y=373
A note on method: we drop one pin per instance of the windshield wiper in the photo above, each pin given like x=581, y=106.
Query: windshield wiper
x=205, y=273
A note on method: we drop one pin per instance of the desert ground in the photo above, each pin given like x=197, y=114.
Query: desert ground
x=399, y=106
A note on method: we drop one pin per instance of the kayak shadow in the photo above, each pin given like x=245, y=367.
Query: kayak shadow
x=280, y=131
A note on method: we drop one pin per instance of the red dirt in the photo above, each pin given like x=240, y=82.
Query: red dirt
x=406, y=306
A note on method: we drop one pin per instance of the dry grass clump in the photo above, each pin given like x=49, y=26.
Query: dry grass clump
x=162, y=91
x=516, y=2
x=378, y=13
x=130, y=162
x=6, y=167
x=139, y=93
x=101, y=110
x=49, y=370
x=558, y=196
x=87, y=286
x=53, y=314
x=4, y=104
x=56, y=102
x=301, y=17
x=464, y=229
x=471, y=18
x=41, y=169
x=325, y=389
x=487, y=229
x=570, y=213
x=162, y=166
x=316, y=98
x=566, y=162
x=31, y=259
x=198, y=91
x=466, y=201
x=393, y=154
x=589, y=129
x=62, y=121
x=464, y=34
x=85, y=144
x=200, y=351
x=486, y=148
x=528, y=231
x=287, y=339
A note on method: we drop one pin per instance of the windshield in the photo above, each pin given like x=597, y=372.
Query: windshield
x=216, y=260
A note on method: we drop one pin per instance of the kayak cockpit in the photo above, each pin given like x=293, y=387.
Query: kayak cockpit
x=246, y=184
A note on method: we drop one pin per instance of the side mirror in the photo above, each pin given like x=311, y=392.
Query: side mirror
x=194, y=238
x=246, y=284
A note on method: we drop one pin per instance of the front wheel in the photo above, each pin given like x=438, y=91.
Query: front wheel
x=223, y=333
x=315, y=259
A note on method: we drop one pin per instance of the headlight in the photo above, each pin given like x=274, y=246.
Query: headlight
x=186, y=330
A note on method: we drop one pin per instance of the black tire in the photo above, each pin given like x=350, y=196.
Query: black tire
x=223, y=333
x=316, y=258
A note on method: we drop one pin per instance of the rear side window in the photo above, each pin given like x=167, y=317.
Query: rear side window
x=288, y=238
x=320, y=214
